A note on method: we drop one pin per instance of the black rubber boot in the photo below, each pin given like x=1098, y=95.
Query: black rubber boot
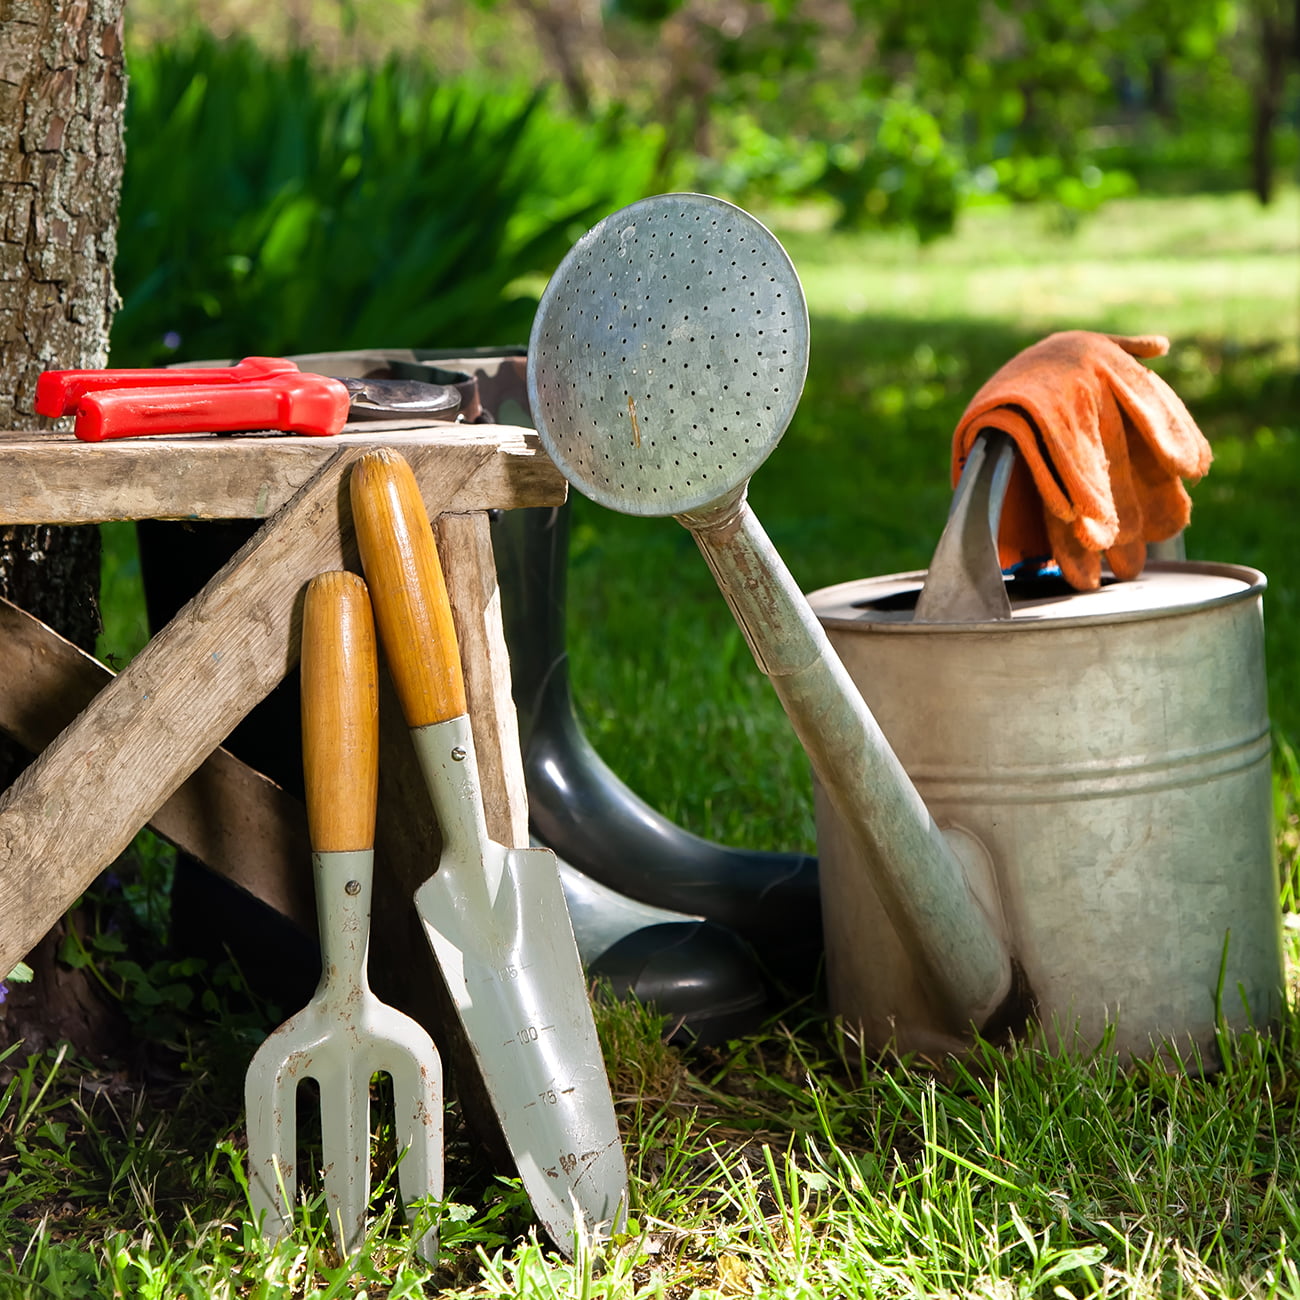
x=581, y=809
x=698, y=975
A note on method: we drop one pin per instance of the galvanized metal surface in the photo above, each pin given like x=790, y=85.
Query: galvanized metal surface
x=498, y=924
x=668, y=354
x=1107, y=754
x=965, y=577
x=653, y=429
x=381, y=398
x=340, y=1039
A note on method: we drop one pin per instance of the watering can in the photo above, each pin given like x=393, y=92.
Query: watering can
x=1097, y=774
x=1099, y=763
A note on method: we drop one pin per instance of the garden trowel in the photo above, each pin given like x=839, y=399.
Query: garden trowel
x=495, y=916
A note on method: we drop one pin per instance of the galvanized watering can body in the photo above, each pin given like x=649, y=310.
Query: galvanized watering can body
x=1100, y=764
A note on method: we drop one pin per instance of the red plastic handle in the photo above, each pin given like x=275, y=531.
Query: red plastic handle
x=291, y=402
x=59, y=392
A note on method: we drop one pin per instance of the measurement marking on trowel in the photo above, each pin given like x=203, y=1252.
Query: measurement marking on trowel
x=550, y=1096
x=569, y=1162
x=500, y=974
x=528, y=1034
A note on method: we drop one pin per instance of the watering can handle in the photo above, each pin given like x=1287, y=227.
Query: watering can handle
x=964, y=583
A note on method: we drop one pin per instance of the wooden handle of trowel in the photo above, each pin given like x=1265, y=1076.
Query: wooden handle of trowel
x=405, y=576
x=340, y=713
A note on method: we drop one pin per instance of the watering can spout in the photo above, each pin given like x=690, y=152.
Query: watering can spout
x=949, y=917
x=669, y=412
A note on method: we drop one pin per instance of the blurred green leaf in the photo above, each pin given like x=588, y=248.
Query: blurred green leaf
x=272, y=205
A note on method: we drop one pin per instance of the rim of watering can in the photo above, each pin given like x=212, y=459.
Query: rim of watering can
x=857, y=604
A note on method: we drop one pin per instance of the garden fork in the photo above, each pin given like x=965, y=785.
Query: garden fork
x=345, y=1034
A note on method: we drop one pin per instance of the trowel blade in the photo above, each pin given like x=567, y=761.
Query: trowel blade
x=510, y=962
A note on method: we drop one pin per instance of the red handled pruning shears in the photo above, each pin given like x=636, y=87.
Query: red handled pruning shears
x=258, y=393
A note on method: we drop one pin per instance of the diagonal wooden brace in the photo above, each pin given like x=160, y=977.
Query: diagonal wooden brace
x=228, y=816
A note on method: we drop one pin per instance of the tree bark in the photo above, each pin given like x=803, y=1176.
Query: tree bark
x=1273, y=46
x=62, y=87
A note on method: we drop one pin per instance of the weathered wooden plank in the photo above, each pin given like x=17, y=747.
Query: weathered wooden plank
x=53, y=478
x=465, y=549
x=82, y=800
x=233, y=819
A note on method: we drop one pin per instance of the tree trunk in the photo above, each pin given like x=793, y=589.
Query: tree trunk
x=1273, y=43
x=62, y=86
x=572, y=36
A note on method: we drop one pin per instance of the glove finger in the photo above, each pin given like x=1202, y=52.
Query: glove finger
x=1080, y=565
x=1141, y=345
x=1166, y=507
x=1158, y=415
x=1126, y=492
x=1127, y=559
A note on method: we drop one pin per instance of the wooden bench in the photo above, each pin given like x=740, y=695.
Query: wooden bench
x=117, y=752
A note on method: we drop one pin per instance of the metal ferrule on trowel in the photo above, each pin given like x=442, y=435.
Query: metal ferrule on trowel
x=445, y=751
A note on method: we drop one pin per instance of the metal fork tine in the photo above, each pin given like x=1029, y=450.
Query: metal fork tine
x=345, y=1142
x=270, y=1099
x=418, y=1129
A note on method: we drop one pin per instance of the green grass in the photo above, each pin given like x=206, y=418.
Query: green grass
x=1208, y=265
x=789, y=1165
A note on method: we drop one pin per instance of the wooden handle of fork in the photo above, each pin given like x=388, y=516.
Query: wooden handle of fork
x=340, y=713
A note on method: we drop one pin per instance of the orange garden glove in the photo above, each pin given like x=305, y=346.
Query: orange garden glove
x=1104, y=444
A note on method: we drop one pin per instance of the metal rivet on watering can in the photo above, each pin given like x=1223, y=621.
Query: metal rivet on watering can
x=458, y=755
x=353, y=887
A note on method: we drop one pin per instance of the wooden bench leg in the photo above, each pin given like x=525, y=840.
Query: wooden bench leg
x=80, y=803
x=234, y=820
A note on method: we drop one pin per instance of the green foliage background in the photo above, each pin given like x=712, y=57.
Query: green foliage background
x=273, y=205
